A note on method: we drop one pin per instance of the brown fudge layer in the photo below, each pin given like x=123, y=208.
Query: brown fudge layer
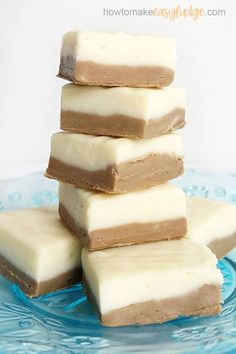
x=205, y=301
x=31, y=287
x=127, y=234
x=95, y=74
x=122, y=178
x=222, y=246
x=121, y=125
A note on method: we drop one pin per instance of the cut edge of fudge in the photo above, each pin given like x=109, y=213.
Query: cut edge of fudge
x=81, y=66
x=33, y=288
x=213, y=223
x=160, y=311
x=200, y=298
x=128, y=234
x=121, y=125
x=125, y=177
x=111, y=112
x=30, y=238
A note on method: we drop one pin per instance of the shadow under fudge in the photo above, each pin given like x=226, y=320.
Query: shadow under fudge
x=33, y=288
x=121, y=125
x=95, y=74
x=122, y=178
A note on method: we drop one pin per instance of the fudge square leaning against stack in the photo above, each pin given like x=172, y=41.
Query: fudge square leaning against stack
x=113, y=160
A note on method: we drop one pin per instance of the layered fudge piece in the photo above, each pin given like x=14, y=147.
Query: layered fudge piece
x=102, y=220
x=37, y=252
x=213, y=223
x=114, y=165
x=117, y=59
x=122, y=111
x=154, y=282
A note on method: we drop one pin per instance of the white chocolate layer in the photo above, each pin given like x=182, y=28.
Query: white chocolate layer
x=120, y=48
x=138, y=103
x=35, y=242
x=209, y=220
x=128, y=275
x=93, y=153
x=95, y=210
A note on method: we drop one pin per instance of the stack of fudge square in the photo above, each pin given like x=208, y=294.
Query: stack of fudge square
x=122, y=223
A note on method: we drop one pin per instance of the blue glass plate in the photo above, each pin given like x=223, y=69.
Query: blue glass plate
x=64, y=322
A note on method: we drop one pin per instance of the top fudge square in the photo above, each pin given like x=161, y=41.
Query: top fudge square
x=117, y=59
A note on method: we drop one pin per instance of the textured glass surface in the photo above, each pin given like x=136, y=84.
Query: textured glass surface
x=64, y=322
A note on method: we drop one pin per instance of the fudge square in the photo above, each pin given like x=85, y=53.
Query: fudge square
x=154, y=282
x=213, y=223
x=114, y=165
x=122, y=111
x=117, y=59
x=107, y=220
x=37, y=252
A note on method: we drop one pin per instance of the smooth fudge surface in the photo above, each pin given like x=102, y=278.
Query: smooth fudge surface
x=154, y=282
x=37, y=252
x=114, y=165
x=117, y=59
x=122, y=111
x=213, y=223
x=108, y=220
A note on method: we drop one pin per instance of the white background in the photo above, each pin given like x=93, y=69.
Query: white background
x=30, y=37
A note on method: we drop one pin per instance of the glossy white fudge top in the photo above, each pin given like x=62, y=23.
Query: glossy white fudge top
x=92, y=153
x=128, y=275
x=209, y=220
x=95, y=210
x=148, y=103
x=120, y=48
x=35, y=241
